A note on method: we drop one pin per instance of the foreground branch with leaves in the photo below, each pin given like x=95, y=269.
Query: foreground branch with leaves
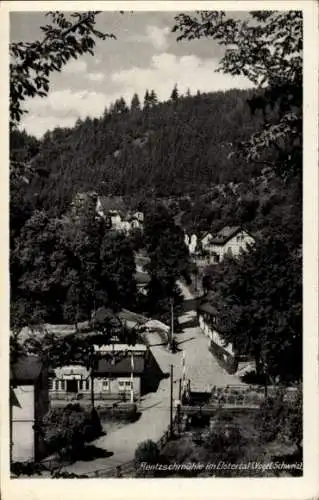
x=266, y=49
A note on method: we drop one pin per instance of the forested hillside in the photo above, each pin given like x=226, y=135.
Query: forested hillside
x=199, y=161
x=174, y=148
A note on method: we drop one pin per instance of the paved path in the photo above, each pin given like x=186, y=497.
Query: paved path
x=201, y=368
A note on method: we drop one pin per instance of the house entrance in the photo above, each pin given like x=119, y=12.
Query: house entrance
x=71, y=386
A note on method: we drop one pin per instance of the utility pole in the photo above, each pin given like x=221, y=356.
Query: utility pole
x=92, y=355
x=171, y=403
x=11, y=423
x=172, y=323
x=266, y=377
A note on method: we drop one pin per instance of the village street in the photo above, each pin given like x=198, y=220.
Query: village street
x=201, y=368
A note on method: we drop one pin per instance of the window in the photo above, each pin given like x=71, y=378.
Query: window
x=50, y=384
x=86, y=384
x=125, y=385
x=81, y=384
x=62, y=385
x=106, y=384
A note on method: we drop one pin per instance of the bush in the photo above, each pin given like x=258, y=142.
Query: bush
x=148, y=452
x=225, y=442
x=280, y=418
x=270, y=419
x=65, y=430
x=27, y=469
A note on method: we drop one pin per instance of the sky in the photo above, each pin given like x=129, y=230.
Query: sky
x=145, y=55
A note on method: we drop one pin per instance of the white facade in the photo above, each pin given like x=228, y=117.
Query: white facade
x=108, y=348
x=23, y=419
x=233, y=247
x=213, y=335
x=136, y=224
x=139, y=216
x=191, y=243
x=74, y=381
x=99, y=208
x=116, y=220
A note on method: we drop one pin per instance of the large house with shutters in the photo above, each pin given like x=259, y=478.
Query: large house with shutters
x=230, y=241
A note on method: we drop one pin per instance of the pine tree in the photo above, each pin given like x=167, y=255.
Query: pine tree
x=120, y=106
x=153, y=99
x=135, y=103
x=147, y=100
x=175, y=94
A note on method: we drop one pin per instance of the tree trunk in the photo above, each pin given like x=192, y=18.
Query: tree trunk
x=257, y=360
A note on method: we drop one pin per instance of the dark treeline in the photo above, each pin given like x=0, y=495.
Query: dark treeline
x=151, y=149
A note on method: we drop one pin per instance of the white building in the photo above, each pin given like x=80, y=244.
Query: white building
x=230, y=241
x=118, y=369
x=191, y=243
x=29, y=402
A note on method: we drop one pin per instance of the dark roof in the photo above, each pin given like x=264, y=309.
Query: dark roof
x=225, y=234
x=127, y=315
x=13, y=398
x=26, y=369
x=204, y=234
x=122, y=367
x=178, y=218
x=208, y=308
x=110, y=203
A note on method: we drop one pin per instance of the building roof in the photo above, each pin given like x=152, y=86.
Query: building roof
x=127, y=315
x=121, y=367
x=208, y=308
x=121, y=348
x=112, y=203
x=225, y=235
x=26, y=369
x=206, y=233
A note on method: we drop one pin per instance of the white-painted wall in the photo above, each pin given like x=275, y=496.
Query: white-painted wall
x=22, y=424
x=117, y=385
x=191, y=242
x=213, y=335
x=234, y=246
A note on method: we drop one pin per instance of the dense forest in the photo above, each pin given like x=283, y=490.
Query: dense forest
x=184, y=151
x=151, y=149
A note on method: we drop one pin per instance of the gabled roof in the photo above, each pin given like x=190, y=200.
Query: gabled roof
x=112, y=203
x=27, y=369
x=206, y=233
x=121, y=367
x=225, y=235
x=208, y=308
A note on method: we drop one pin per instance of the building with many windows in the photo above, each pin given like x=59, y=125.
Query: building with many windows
x=120, y=373
x=230, y=241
